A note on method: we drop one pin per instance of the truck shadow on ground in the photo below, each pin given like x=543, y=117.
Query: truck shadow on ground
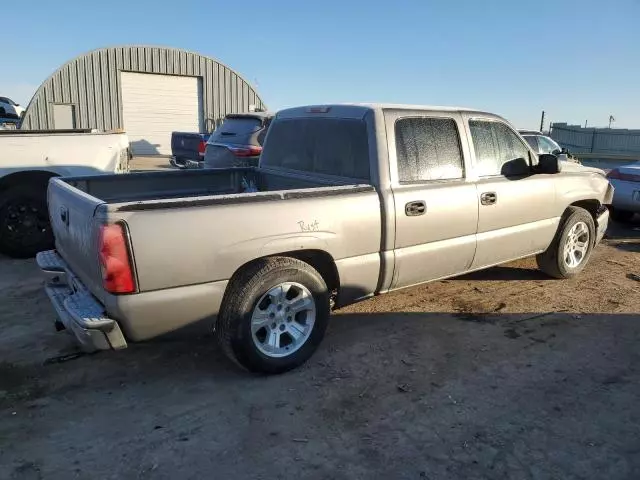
x=377, y=389
x=504, y=273
x=375, y=339
x=394, y=392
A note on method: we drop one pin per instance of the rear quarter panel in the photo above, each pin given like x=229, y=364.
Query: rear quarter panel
x=194, y=244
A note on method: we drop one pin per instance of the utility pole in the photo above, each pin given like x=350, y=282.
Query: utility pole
x=542, y=121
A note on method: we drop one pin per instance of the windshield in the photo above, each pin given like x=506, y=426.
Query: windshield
x=548, y=145
x=531, y=140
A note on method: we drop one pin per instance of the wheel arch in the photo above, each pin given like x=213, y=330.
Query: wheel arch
x=591, y=205
x=320, y=260
x=594, y=207
x=26, y=177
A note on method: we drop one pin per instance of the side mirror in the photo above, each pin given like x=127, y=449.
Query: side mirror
x=547, y=163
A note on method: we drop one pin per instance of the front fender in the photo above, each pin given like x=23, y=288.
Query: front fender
x=580, y=187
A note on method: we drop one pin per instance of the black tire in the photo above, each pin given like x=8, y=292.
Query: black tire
x=233, y=328
x=621, y=216
x=551, y=261
x=24, y=221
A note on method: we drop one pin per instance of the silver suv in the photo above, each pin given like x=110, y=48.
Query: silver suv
x=543, y=144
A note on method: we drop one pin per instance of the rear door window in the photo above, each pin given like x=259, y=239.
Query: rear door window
x=328, y=146
x=428, y=149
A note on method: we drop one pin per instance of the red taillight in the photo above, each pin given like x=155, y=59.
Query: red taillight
x=115, y=262
x=202, y=147
x=616, y=174
x=245, y=151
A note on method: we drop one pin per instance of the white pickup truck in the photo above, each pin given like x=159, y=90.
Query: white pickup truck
x=28, y=159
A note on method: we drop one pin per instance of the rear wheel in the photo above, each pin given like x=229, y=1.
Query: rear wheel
x=621, y=216
x=24, y=222
x=571, y=247
x=274, y=316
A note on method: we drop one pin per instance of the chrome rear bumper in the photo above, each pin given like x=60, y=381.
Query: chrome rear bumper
x=78, y=311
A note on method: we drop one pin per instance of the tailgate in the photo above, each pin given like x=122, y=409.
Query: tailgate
x=75, y=229
x=186, y=144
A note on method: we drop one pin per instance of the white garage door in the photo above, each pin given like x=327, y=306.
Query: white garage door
x=153, y=106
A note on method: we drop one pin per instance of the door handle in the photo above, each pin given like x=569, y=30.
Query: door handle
x=415, y=208
x=488, y=198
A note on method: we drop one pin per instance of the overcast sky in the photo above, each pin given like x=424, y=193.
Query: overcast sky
x=578, y=60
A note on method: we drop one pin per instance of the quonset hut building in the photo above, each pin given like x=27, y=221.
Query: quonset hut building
x=146, y=91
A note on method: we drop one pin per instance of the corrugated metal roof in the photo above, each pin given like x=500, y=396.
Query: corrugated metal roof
x=91, y=82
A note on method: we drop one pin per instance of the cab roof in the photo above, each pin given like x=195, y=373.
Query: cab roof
x=360, y=109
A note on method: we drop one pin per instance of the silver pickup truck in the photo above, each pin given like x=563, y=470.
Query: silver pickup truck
x=349, y=201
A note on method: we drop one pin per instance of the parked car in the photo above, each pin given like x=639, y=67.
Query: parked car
x=238, y=141
x=187, y=149
x=351, y=201
x=10, y=109
x=626, y=197
x=542, y=144
x=28, y=159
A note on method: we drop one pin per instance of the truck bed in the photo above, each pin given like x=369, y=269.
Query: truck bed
x=147, y=186
x=190, y=204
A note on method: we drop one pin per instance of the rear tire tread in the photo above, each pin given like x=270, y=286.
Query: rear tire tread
x=244, y=285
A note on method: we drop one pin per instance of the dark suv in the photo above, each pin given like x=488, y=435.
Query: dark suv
x=238, y=141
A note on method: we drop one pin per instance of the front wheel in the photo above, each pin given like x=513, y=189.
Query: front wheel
x=274, y=315
x=24, y=222
x=571, y=247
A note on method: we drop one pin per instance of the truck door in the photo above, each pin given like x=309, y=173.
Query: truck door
x=436, y=205
x=516, y=209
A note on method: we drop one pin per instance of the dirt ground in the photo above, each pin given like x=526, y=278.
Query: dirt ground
x=502, y=374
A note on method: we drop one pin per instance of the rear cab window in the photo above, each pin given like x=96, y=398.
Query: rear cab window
x=327, y=146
